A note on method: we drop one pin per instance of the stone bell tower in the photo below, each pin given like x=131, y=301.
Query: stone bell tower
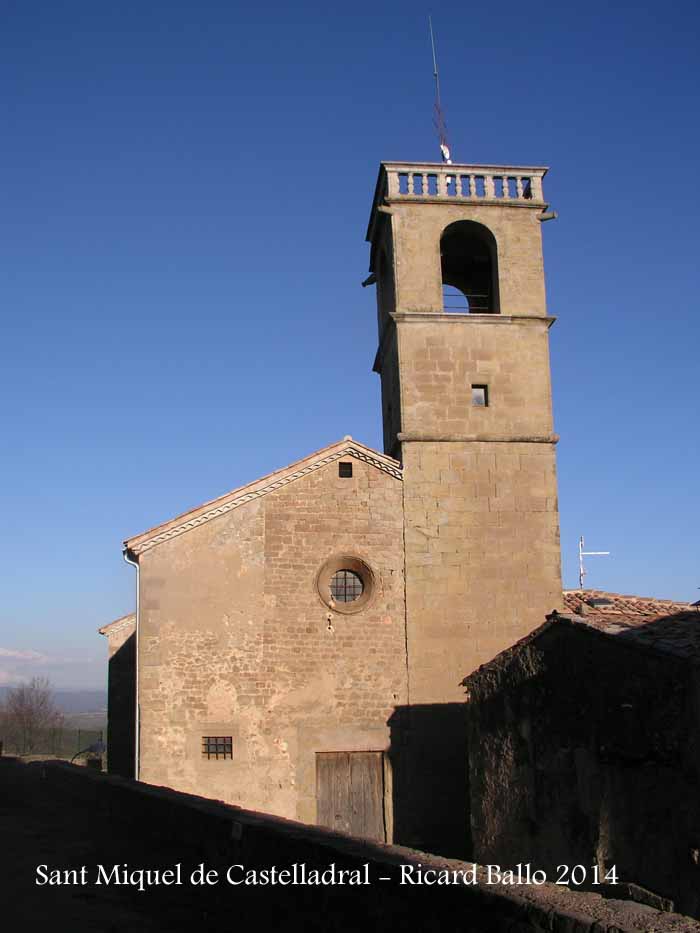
x=456, y=251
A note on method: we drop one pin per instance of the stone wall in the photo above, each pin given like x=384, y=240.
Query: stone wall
x=155, y=827
x=585, y=750
x=482, y=555
x=387, y=365
x=443, y=355
x=121, y=696
x=235, y=640
x=417, y=228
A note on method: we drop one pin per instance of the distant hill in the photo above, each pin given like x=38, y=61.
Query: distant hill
x=74, y=701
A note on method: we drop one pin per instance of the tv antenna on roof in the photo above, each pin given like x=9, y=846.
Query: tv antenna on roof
x=438, y=116
x=581, y=554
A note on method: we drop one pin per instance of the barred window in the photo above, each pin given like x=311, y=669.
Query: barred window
x=217, y=746
x=345, y=470
x=346, y=586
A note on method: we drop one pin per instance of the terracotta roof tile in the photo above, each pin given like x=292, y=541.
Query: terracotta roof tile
x=676, y=632
x=662, y=625
x=666, y=625
x=600, y=602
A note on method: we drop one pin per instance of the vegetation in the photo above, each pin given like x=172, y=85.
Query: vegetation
x=29, y=718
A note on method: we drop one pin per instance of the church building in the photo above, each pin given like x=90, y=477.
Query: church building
x=300, y=642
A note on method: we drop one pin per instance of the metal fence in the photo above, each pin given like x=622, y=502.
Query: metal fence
x=61, y=741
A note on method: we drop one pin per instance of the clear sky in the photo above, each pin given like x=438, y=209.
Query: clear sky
x=184, y=196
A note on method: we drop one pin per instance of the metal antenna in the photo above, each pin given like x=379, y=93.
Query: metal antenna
x=438, y=116
x=581, y=554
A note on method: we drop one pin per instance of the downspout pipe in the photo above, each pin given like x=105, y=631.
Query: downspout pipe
x=129, y=558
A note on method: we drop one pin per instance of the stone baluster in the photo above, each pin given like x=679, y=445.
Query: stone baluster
x=446, y=181
x=536, y=187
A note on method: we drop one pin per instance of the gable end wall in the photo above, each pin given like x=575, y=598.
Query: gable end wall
x=234, y=640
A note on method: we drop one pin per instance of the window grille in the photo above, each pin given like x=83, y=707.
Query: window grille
x=346, y=586
x=217, y=746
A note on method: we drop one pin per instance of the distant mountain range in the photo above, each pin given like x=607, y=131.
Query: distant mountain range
x=74, y=701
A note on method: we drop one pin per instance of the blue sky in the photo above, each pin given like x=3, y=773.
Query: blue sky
x=185, y=190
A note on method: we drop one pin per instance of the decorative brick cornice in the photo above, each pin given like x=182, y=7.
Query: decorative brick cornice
x=113, y=627
x=143, y=543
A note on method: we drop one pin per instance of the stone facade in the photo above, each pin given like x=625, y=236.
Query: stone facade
x=455, y=540
x=235, y=639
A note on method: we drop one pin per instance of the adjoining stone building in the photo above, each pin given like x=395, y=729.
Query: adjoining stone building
x=121, y=694
x=301, y=641
x=584, y=746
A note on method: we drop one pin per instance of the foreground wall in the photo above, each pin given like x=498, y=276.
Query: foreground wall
x=584, y=750
x=165, y=827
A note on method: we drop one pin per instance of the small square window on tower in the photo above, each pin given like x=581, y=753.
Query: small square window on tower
x=345, y=470
x=480, y=396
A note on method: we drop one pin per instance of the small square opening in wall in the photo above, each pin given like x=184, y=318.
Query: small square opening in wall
x=345, y=470
x=480, y=396
x=217, y=746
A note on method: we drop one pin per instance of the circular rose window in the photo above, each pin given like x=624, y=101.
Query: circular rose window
x=345, y=584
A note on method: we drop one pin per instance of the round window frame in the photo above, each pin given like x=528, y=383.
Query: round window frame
x=355, y=565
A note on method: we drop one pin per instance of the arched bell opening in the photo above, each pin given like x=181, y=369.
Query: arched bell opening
x=469, y=260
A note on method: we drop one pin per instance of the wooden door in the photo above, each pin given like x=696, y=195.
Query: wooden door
x=350, y=793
